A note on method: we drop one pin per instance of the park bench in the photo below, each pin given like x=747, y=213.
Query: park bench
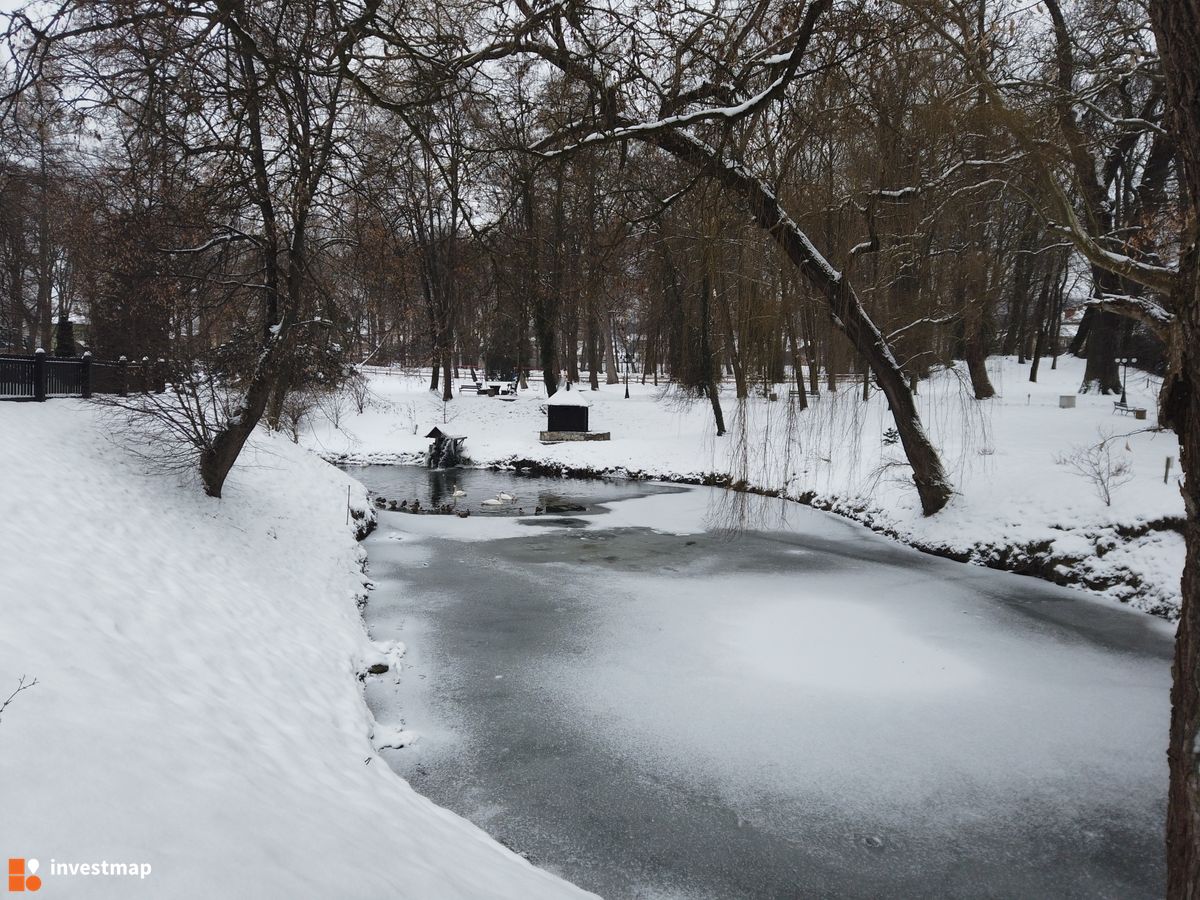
x=1138, y=412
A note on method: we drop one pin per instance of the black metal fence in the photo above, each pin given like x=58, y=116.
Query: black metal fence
x=39, y=377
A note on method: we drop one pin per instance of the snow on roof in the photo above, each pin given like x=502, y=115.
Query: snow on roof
x=437, y=432
x=568, y=398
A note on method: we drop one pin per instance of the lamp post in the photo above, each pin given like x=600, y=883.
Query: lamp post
x=1125, y=376
x=628, y=363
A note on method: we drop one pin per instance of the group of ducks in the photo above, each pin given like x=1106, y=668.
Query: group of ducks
x=501, y=499
x=415, y=507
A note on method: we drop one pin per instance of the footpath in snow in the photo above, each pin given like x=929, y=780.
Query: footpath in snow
x=198, y=708
x=1019, y=506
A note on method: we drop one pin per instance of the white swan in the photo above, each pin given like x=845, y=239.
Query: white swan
x=505, y=496
x=493, y=501
x=458, y=492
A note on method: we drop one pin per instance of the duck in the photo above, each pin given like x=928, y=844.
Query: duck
x=463, y=513
x=537, y=510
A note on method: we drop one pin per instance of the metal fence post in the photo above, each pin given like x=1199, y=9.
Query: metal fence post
x=85, y=375
x=123, y=376
x=39, y=375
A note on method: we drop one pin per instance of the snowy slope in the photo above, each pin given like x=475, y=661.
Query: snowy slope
x=197, y=706
x=1017, y=507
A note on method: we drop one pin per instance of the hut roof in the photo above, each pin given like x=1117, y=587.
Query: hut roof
x=568, y=398
x=438, y=433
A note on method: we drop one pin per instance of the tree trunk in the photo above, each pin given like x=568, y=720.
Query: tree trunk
x=612, y=376
x=970, y=345
x=712, y=386
x=592, y=344
x=1102, y=375
x=218, y=458
x=544, y=311
x=1177, y=31
x=1079, y=342
x=975, y=353
x=1043, y=327
x=1181, y=409
x=797, y=366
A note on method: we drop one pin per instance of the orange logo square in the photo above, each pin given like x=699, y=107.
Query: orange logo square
x=18, y=880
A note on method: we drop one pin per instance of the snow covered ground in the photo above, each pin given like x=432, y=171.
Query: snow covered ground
x=1018, y=506
x=197, y=706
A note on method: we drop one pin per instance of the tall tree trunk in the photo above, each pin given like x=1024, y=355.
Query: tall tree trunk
x=1043, y=327
x=592, y=344
x=1079, y=341
x=797, y=366
x=712, y=385
x=1177, y=30
x=218, y=458
x=612, y=376
x=976, y=354
x=973, y=350
x=274, y=409
x=1101, y=374
x=545, y=312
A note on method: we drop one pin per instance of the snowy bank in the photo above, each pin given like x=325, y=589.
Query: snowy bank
x=1019, y=506
x=198, y=707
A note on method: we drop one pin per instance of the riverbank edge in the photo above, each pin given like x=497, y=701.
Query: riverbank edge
x=1036, y=558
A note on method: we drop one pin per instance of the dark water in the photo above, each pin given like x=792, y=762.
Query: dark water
x=435, y=488
x=574, y=700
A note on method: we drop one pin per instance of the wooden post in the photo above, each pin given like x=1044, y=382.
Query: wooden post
x=1167, y=470
x=123, y=376
x=85, y=375
x=39, y=375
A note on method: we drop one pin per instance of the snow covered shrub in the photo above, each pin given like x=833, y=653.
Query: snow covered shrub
x=171, y=430
x=297, y=406
x=332, y=405
x=1097, y=464
x=358, y=389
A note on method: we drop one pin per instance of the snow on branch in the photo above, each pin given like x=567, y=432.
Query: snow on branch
x=907, y=193
x=1158, y=278
x=217, y=241
x=926, y=320
x=1155, y=317
x=790, y=64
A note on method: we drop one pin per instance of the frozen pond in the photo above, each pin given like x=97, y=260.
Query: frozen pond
x=653, y=706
